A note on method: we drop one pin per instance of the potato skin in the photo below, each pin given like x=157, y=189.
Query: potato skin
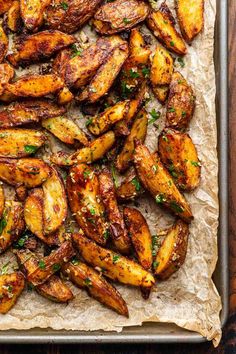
x=6, y=74
x=156, y=179
x=97, y=287
x=3, y=44
x=114, y=266
x=180, y=104
x=5, y=5
x=13, y=19
x=120, y=15
x=179, y=155
x=130, y=188
x=117, y=226
x=32, y=13
x=33, y=212
x=11, y=286
x=2, y=200
x=140, y=236
x=172, y=253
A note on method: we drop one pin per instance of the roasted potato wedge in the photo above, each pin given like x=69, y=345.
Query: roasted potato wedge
x=68, y=18
x=39, y=46
x=60, y=61
x=35, y=85
x=6, y=74
x=162, y=24
x=66, y=130
x=113, y=265
x=29, y=172
x=5, y=5
x=172, y=253
x=2, y=200
x=157, y=180
x=13, y=18
x=130, y=188
x=11, y=286
x=191, y=18
x=86, y=203
x=65, y=96
x=117, y=226
x=7, y=97
x=180, y=104
x=179, y=155
x=97, y=287
x=3, y=44
x=12, y=224
x=138, y=132
x=32, y=13
x=20, y=142
x=119, y=15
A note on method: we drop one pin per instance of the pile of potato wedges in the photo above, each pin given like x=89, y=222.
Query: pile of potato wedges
x=70, y=217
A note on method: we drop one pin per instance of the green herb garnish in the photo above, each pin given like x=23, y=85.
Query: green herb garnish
x=181, y=62
x=31, y=149
x=115, y=258
x=136, y=183
x=42, y=264
x=155, y=115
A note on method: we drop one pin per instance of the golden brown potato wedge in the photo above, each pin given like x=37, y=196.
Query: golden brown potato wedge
x=69, y=16
x=179, y=155
x=39, y=46
x=35, y=85
x=119, y=15
x=13, y=19
x=157, y=180
x=65, y=96
x=97, y=287
x=117, y=226
x=6, y=74
x=3, y=44
x=113, y=265
x=130, y=188
x=66, y=130
x=11, y=286
x=60, y=61
x=86, y=203
x=172, y=253
x=138, y=132
x=162, y=24
x=2, y=200
x=161, y=92
x=20, y=142
x=32, y=13
x=5, y=5
x=7, y=96
x=180, y=104
x=140, y=236
x=29, y=172
x=190, y=15
x=12, y=224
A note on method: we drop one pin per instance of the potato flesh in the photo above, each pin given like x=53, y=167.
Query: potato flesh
x=13, y=21
x=3, y=44
x=11, y=286
x=130, y=187
x=33, y=212
x=6, y=74
x=32, y=13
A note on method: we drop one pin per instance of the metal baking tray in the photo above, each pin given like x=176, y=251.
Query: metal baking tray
x=161, y=332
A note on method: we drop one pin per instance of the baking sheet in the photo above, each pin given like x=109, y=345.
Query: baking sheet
x=189, y=298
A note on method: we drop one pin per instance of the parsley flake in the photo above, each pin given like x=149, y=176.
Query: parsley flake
x=155, y=115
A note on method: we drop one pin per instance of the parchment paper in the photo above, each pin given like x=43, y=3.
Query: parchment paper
x=189, y=298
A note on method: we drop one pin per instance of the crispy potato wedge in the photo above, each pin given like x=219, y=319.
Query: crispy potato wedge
x=179, y=155
x=11, y=286
x=86, y=203
x=162, y=24
x=113, y=265
x=13, y=18
x=12, y=224
x=191, y=18
x=171, y=255
x=140, y=236
x=66, y=130
x=97, y=287
x=70, y=17
x=180, y=104
x=35, y=85
x=103, y=121
x=65, y=96
x=7, y=96
x=157, y=180
x=130, y=187
x=60, y=61
x=161, y=92
x=29, y=172
x=2, y=200
x=32, y=13
x=138, y=132
x=117, y=226
x=5, y=5
x=119, y=15
x=3, y=44
x=39, y=46
x=20, y=142
x=6, y=74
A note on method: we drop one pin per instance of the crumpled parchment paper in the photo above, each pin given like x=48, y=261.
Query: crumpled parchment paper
x=189, y=298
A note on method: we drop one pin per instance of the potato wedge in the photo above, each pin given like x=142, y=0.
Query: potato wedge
x=119, y=15
x=3, y=44
x=97, y=287
x=140, y=236
x=113, y=265
x=29, y=172
x=65, y=96
x=39, y=46
x=162, y=24
x=130, y=188
x=5, y=5
x=180, y=104
x=66, y=130
x=60, y=61
x=157, y=180
x=20, y=142
x=161, y=92
x=13, y=17
x=117, y=226
x=12, y=224
x=32, y=13
x=11, y=286
x=179, y=155
x=191, y=18
x=6, y=74
x=138, y=132
x=71, y=16
x=35, y=85
x=103, y=122
x=2, y=200
x=85, y=202
x=171, y=255
x=7, y=96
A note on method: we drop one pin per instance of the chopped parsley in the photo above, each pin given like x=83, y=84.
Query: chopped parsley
x=172, y=43
x=155, y=264
x=64, y=5
x=173, y=171
x=106, y=234
x=92, y=211
x=133, y=74
x=136, y=183
x=183, y=114
x=146, y=71
x=75, y=261
x=160, y=198
x=88, y=122
x=155, y=115
x=171, y=109
x=20, y=243
x=56, y=267
x=155, y=168
x=164, y=137
x=126, y=20
x=88, y=282
x=181, y=62
x=31, y=149
x=195, y=163
x=42, y=264
x=115, y=258
x=76, y=51
x=86, y=174
x=114, y=176
x=3, y=224
x=125, y=89
x=154, y=244
x=176, y=207
x=5, y=268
